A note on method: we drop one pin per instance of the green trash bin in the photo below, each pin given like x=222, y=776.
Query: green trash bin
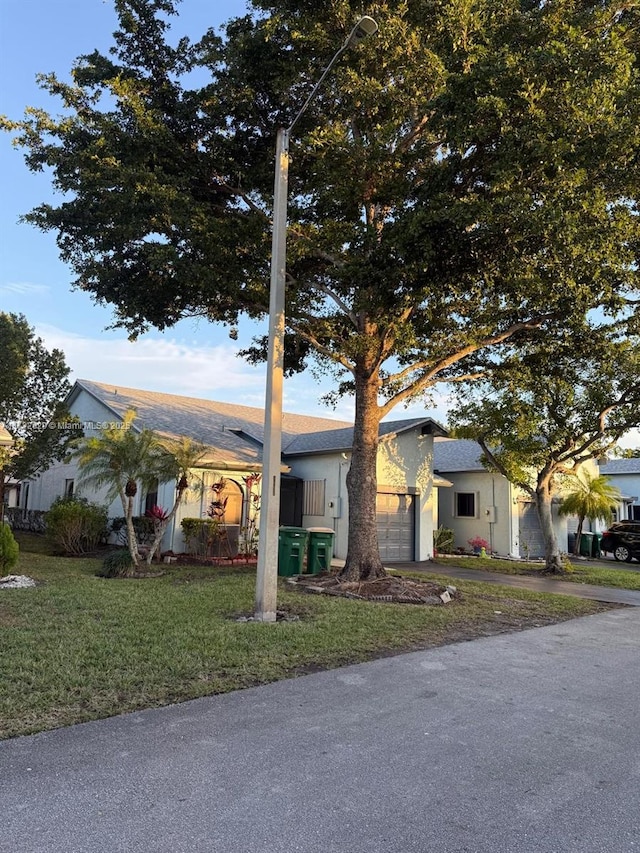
x=586, y=540
x=320, y=549
x=595, y=546
x=292, y=544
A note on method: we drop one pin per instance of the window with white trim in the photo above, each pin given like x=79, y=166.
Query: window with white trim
x=466, y=505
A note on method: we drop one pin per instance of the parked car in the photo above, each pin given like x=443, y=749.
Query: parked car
x=622, y=540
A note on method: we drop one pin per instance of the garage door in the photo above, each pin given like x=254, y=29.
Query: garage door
x=396, y=527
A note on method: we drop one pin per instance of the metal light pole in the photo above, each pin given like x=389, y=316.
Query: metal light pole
x=267, y=569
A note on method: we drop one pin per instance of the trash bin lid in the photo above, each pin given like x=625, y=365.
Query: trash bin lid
x=320, y=530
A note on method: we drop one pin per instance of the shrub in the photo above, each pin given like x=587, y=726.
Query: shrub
x=142, y=524
x=76, y=526
x=207, y=537
x=443, y=540
x=8, y=549
x=117, y=564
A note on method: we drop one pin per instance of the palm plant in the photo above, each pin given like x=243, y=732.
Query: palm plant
x=174, y=461
x=124, y=458
x=593, y=498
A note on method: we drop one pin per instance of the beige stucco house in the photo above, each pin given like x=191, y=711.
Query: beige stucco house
x=485, y=504
x=315, y=461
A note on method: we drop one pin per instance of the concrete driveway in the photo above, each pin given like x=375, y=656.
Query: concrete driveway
x=510, y=744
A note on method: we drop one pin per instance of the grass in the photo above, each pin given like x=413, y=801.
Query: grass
x=78, y=647
x=580, y=572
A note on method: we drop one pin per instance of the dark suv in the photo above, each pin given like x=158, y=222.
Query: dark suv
x=622, y=540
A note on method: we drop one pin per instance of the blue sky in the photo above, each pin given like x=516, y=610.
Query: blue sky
x=195, y=358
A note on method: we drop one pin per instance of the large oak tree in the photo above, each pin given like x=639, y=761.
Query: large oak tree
x=467, y=177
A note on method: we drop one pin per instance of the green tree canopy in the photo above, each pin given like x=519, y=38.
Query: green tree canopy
x=550, y=409
x=33, y=385
x=466, y=177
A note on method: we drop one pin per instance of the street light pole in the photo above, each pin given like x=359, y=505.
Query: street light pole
x=267, y=568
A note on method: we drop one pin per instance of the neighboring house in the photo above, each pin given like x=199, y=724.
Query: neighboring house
x=485, y=504
x=315, y=461
x=11, y=487
x=625, y=475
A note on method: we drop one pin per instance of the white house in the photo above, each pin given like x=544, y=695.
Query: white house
x=625, y=475
x=485, y=504
x=315, y=461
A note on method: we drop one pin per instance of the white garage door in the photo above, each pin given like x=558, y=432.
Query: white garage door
x=396, y=527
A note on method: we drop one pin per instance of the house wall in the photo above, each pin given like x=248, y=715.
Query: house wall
x=50, y=485
x=404, y=464
x=496, y=508
x=46, y=487
x=11, y=493
x=629, y=485
x=332, y=468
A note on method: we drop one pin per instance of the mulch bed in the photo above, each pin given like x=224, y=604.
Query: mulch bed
x=393, y=589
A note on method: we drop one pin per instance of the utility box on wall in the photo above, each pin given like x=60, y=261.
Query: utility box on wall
x=490, y=514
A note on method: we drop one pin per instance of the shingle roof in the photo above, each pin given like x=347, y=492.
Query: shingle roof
x=342, y=439
x=459, y=454
x=621, y=466
x=233, y=432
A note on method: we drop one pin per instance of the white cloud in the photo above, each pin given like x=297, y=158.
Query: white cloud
x=631, y=439
x=24, y=288
x=158, y=364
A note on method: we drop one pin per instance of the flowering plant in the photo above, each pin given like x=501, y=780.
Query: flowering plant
x=157, y=513
x=478, y=542
x=250, y=529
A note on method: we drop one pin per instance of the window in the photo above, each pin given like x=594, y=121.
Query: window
x=465, y=504
x=68, y=488
x=313, y=500
x=151, y=498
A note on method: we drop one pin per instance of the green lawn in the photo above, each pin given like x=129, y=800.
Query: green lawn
x=616, y=576
x=79, y=647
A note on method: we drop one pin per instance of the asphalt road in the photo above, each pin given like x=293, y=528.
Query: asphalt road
x=510, y=744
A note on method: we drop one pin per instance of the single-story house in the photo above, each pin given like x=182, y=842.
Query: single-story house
x=624, y=474
x=315, y=461
x=485, y=504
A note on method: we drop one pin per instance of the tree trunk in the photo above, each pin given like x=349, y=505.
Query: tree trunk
x=363, y=557
x=553, y=562
x=161, y=526
x=576, y=547
x=132, y=539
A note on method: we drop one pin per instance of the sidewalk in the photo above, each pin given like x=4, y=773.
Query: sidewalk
x=611, y=595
